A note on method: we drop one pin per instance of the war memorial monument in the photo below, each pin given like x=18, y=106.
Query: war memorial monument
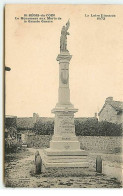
x=64, y=148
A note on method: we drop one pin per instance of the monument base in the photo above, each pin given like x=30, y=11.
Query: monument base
x=68, y=158
x=64, y=148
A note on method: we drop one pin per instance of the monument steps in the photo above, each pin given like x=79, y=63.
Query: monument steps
x=52, y=152
x=65, y=165
x=67, y=160
x=66, y=157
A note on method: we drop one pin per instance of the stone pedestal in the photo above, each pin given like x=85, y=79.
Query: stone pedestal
x=64, y=148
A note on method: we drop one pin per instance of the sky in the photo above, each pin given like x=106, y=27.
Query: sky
x=31, y=49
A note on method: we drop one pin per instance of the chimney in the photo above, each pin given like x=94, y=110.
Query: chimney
x=95, y=115
x=35, y=117
x=109, y=100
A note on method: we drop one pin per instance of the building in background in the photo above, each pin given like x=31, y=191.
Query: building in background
x=112, y=111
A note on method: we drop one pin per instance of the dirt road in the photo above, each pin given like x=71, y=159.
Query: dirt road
x=20, y=172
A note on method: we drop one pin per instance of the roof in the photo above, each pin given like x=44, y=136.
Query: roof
x=46, y=119
x=28, y=122
x=117, y=105
x=10, y=116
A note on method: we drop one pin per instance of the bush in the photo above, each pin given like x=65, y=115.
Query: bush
x=87, y=127
x=109, y=129
x=93, y=128
x=10, y=122
x=44, y=128
x=11, y=145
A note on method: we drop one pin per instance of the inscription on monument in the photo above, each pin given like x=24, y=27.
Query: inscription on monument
x=67, y=129
x=66, y=119
x=67, y=146
x=65, y=138
x=66, y=124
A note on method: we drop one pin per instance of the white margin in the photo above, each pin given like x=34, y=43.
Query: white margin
x=31, y=191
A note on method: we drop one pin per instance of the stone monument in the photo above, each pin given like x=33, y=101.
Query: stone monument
x=64, y=148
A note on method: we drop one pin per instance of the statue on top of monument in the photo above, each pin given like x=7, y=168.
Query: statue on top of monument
x=63, y=38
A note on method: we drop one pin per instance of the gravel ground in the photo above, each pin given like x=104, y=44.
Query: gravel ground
x=20, y=172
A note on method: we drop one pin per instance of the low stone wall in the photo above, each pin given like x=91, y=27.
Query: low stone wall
x=101, y=143
x=38, y=141
x=91, y=143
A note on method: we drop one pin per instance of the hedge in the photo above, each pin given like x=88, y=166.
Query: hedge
x=82, y=128
x=44, y=128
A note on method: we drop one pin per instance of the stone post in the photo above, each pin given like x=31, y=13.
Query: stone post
x=99, y=164
x=38, y=164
